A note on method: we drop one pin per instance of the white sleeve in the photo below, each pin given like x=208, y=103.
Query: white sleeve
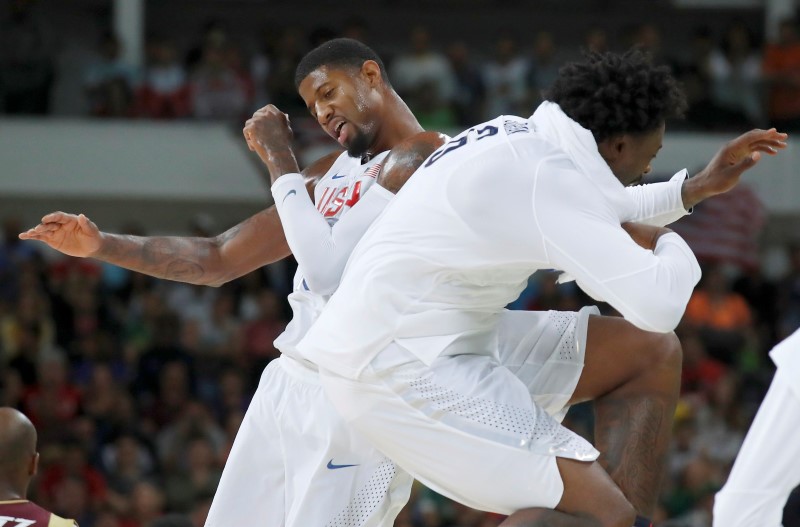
x=320, y=249
x=582, y=236
x=659, y=203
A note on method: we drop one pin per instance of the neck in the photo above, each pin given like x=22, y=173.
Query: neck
x=400, y=126
x=10, y=491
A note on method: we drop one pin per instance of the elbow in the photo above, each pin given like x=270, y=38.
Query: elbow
x=659, y=315
x=323, y=282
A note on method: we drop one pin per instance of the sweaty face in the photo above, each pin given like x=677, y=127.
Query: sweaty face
x=344, y=104
x=635, y=155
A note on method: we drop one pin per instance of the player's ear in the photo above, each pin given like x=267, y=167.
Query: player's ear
x=33, y=466
x=372, y=72
x=612, y=148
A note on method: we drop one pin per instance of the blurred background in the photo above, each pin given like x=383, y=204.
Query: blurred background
x=130, y=111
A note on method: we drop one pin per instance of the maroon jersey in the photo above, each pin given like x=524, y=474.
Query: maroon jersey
x=23, y=513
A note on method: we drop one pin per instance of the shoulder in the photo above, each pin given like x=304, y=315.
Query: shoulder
x=420, y=145
x=316, y=170
x=406, y=157
x=58, y=521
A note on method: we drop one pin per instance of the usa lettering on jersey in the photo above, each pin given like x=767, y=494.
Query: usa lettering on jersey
x=337, y=199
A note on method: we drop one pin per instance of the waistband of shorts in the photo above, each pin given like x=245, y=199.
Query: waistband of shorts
x=300, y=370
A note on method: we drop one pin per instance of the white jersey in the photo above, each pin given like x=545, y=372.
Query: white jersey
x=786, y=356
x=458, y=243
x=336, y=193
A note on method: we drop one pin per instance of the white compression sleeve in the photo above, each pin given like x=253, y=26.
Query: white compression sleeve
x=320, y=249
x=659, y=203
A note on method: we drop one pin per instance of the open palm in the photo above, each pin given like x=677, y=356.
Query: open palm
x=73, y=235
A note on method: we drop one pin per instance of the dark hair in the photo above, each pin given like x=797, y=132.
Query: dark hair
x=611, y=94
x=338, y=53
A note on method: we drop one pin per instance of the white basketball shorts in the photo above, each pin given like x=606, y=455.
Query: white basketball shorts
x=468, y=427
x=295, y=462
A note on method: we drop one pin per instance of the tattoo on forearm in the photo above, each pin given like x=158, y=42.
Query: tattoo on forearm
x=162, y=257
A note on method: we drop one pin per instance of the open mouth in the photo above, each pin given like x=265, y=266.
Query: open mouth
x=338, y=130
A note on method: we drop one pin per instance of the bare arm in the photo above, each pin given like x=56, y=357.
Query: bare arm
x=255, y=242
x=406, y=157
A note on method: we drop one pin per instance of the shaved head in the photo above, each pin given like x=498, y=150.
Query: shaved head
x=17, y=442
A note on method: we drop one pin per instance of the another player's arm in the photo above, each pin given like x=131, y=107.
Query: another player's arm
x=255, y=242
x=646, y=273
x=663, y=203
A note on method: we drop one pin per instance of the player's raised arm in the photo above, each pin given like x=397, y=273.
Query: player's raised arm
x=664, y=203
x=255, y=242
x=732, y=160
x=322, y=250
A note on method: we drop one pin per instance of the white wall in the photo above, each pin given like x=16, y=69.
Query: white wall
x=160, y=174
x=141, y=159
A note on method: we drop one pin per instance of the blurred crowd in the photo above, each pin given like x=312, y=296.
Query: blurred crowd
x=137, y=386
x=734, y=78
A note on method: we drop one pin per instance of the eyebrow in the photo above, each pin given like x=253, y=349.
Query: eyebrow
x=320, y=87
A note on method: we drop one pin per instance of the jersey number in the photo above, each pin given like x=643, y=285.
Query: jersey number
x=19, y=522
x=455, y=144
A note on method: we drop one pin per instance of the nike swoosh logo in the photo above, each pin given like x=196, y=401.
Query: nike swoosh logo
x=337, y=176
x=334, y=467
x=289, y=194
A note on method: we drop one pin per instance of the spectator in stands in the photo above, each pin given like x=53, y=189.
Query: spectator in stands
x=596, y=40
x=506, y=76
x=356, y=28
x=721, y=317
x=735, y=70
x=126, y=462
x=72, y=466
x=422, y=68
x=199, y=478
x=469, y=99
x=164, y=91
x=289, y=49
x=543, y=66
x=261, y=332
x=782, y=74
x=218, y=91
x=147, y=504
x=109, y=80
x=53, y=401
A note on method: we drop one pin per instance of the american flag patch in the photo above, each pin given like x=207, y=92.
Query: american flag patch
x=373, y=171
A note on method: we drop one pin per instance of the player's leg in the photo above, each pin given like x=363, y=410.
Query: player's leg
x=633, y=376
x=334, y=476
x=767, y=467
x=251, y=489
x=468, y=429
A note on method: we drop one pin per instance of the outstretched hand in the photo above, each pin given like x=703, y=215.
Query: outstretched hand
x=73, y=235
x=725, y=170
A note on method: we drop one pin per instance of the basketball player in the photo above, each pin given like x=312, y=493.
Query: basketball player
x=18, y=463
x=289, y=410
x=767, y=467
x=409, y=345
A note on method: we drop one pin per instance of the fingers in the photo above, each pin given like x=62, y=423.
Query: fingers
x=40, y=232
